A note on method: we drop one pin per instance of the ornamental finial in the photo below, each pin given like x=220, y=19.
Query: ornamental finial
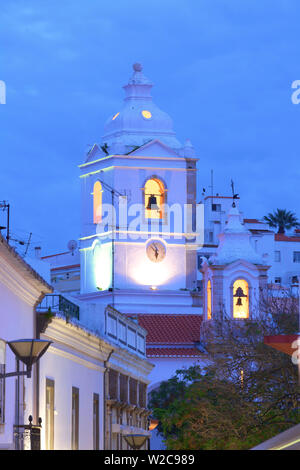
x=137, y=67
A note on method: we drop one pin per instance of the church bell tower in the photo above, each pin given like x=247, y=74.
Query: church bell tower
x=138, y=194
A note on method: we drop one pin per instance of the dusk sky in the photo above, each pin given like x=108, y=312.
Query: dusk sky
x=222, y=69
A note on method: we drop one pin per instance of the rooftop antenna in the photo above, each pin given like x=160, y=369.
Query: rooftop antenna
x=234, y=195
x=72, y=245
x=212, y=184
x=28, y=243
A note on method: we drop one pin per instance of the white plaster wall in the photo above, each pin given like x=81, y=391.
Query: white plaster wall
x=286, y=268
x=16, y=322
x=133, y=269
x=68, y=373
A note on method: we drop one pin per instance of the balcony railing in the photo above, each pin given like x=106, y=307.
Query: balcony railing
x=58, y=304
x=125, y=331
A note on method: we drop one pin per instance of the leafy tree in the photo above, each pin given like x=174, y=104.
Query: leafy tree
x=282, y=219
x=220, y=407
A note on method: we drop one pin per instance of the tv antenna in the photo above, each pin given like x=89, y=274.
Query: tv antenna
x=72, y=245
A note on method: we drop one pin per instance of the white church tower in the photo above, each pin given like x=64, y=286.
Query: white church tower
x=139, y=256
x=236, y=276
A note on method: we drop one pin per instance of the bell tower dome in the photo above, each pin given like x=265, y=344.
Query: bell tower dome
x=139, y=120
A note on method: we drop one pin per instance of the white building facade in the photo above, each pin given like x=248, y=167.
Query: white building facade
x=86, y=376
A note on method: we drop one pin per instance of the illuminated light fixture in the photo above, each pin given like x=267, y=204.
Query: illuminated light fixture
x=135, y=441
x=115, y=116
x=146, y=114
x=150, y=274
x=153, y=424
x=153, y=288
x=28, y=351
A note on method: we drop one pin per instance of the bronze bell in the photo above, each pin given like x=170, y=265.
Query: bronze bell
x=152, y=203
x=239, y=293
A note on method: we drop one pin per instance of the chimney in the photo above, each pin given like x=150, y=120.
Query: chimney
x=37, y=250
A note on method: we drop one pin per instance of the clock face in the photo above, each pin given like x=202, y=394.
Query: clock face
x=156, y=251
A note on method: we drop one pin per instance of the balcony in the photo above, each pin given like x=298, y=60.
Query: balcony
x=125, y=331
x=58, y=304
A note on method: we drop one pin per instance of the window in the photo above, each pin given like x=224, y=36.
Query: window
x=133, y=391
x=113, y=384
x=216, y=207
x=277, y=256
x=97, y=198
x=211, y=236
x=296, y=256
x=75, y=418
x=154, y=199
x=142, y=395
x=240, y=299
x=277, y=280
x=123, y=388
x=2, y=381
x=96, y=421
x=208, y=300
x=49, y=414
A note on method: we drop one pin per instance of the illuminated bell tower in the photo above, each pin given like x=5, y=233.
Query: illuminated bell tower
x=141, y=256
x=235, y=277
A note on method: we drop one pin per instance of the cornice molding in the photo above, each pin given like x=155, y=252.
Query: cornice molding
x=71, y=341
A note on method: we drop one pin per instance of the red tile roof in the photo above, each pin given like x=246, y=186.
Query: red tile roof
x=220, y=197
x=171, y=329
x=280, y=237
x=283, y=343
x=71, y=266
x=173, y=352
x=260, y=230
x=252, y=221
x=56, y=254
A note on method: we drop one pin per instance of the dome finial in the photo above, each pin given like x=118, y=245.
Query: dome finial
x=137, y=67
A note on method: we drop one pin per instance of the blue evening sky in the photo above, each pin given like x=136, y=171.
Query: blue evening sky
x=222, y=69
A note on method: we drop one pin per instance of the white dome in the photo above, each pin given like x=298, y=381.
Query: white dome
x=235, y=243
x=139, y=120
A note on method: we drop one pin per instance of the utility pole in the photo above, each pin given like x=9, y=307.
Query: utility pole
x=5, y=206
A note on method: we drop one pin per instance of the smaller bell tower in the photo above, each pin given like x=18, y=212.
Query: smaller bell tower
x=235, y=276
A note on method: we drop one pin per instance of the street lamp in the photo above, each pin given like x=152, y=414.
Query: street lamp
x=135, y=441
x=28, y=351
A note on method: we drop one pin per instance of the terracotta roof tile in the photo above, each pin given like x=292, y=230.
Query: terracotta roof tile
x=253, y=221
x=280, y=237
x=173, y=352
x=171, y=329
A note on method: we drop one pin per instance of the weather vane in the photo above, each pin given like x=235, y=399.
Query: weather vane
x=234, y=195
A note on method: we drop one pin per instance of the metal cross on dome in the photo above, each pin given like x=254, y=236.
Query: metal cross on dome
x=234, y=195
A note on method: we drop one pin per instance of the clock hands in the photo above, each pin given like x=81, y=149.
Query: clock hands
x=156, y=250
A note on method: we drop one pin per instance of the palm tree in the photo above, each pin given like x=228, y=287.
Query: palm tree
x=282, y=219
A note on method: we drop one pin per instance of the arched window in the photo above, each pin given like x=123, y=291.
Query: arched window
x=154, y=199
x=97, y=198
x=208, y=296
x=240, y=299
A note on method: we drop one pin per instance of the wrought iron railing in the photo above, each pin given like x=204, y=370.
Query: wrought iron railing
x=56, y=303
